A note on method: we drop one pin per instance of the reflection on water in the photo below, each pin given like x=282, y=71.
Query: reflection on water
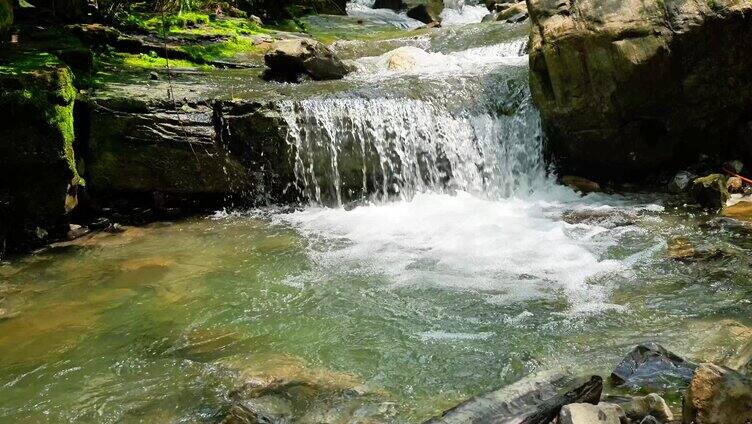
x=425, y=302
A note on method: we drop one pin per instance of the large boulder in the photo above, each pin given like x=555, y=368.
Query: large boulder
x=585, y=413
x=144, y=146
x=6, y=15
x=718, y=395
x=534, y=400
x=288, y=60
x=38, y=176
x=650, y=365
x=426, y=11
x=629, y=87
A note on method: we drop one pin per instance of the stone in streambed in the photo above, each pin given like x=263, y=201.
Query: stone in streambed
x=682, y=182
x=288, y=60
x=650, y=420
x=650, y=365
x=585, y=413
x=710, y=191
x=651, y=405
x=718, y=395
x=741, y=211
x=581, y=185
x=534, y=400
x=681, y=249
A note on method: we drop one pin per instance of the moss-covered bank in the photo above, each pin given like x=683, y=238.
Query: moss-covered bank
x=37, y=161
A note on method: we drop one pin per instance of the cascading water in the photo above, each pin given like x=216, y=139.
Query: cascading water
x=394, y=145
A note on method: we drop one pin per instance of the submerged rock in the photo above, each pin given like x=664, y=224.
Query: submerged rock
x=681, y=249
x=581, y=185
x=741, y=211
x=288, y=60
x=630, y=88
x=710, y=191
x=535, y=400
x=718, y=395
x=650, y=365
x=585, y=413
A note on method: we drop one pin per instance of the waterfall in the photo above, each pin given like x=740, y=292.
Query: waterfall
x=352, y=148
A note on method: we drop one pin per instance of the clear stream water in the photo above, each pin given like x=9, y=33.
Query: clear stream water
x=437, y=260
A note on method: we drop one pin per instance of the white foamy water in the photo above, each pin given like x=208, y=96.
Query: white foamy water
x=509, y=249
x=363, y=10
x=466, y=14
x=415, y=60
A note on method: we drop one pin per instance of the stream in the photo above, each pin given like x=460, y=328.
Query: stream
x=436, y=260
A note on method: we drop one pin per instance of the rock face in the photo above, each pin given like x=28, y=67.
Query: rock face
x=718, y=396
x=38, y=177
x=531, y=401
x=628, y=88
x=6, y=15
x=650, y=365
x=153, y=146
x=710, y=191
x=585, y=413
x=288, y=60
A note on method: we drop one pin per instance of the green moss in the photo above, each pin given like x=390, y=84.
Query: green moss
x=206, y=53
x=6, y=15
x=144, y=61
x=41, y=85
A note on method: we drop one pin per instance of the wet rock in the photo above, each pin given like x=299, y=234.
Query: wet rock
x=100, y=223
x=710, y=191
x=424, y=14
x=621, y=85
x=536, y=400
x=651, y=405
x=516, y=12
x=608, y=218
x=681, y=249
x=395, y=5
x=650, y=420
x=741, y=211
x=735, y=185
x=405, y=58
x=6, y=15
x=651, y=366
x=682, y=182
x=37, y=171
x=581, y=185
x=77, y=231
x=139, y=146
x=734, y=166
x=718, y=395
x=742, y=360
x=585, y=413
x=153, y=76
x=288, y=60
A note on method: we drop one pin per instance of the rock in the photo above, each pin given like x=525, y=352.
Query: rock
x=6, y=15
x=516, y=12
x=162, y=147
x=581, y=185
x=718, y=396
x=650, y=420
x=396, y=5
x=289, y=59
x=535, y=400
x=255, y=20
x=651, y=366
x=735, y=185
x=741, y=211
x=681, y=249
x=710, y=191
x=682, y=182
x=734, y=166
x=37, y=163
x=742, y=360
x=77, y=231
x=627, y=88
x=153, y=76
x=585, y=413
x=405, y=58
x=426, y=13
x=651, y=405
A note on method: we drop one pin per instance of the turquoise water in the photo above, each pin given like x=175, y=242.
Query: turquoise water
x=161, y=323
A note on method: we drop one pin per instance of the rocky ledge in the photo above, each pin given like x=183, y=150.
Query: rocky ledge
x=628, y=88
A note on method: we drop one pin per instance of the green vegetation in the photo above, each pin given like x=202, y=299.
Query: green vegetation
x=38, y=84
x=144, y=61
x=206, y=53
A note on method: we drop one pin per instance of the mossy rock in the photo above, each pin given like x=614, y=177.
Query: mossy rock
x=711, y=191
x=37, y=161
x=6, y=15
